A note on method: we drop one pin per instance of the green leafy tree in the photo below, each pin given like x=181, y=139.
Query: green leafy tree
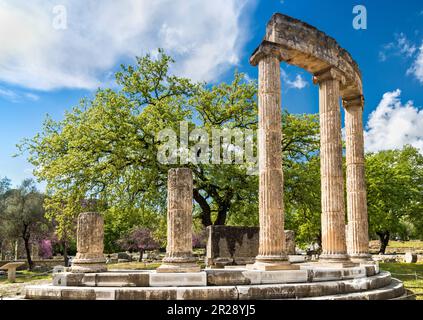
x=106, y=148
x=395, y=192
x=5, y=184
x=303, y=200
x=23, y=215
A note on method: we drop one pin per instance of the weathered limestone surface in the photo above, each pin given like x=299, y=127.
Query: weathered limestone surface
x=179, y=256
x=376, y=287
x=11, y=270
x=229, y=245
x=302, y=45
x=311, y=49
x=186, y=279
x=332, y=179
x=272, y=251
x=90, y=236
x=358, y=238
x=410, y=257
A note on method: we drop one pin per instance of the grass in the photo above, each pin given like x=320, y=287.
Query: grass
x=410, y=273
x=414, y=244
x=398, y=247
x=26, y=276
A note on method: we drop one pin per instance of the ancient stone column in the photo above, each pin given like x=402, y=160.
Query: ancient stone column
x=272, y=252
x=90, y=236
x=332, y=179
x=179, y=256
x=358, y=233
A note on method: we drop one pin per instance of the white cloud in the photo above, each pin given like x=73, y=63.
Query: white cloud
x=400, y=47
x=8, y=94
x=32, y=96
x=297, y=83
x=417, y=68
x=17, y=96
x=205, y=38
x=393, y=124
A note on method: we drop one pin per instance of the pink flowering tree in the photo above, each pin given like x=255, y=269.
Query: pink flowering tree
x=138, y=239
x=199, y=239
x=45, y=248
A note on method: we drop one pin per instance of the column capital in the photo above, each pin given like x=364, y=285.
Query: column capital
x=356, y=101
x=330, y=73
x=268, y=48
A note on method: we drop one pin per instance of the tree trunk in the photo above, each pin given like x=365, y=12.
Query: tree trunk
x=319, y=241
x=221, y=216
x=384, y=240
x=223, y=208
x=65, y=253
x=28, y=253
x=141, y=254
x=205, y=208
x=1, y=251
x=16, y=249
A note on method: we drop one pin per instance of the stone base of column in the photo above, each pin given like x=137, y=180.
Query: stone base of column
x=269, y=263
x=178, y=268
x=361, y=258
x=178, y=265
x=91, y=265
x=336, y=261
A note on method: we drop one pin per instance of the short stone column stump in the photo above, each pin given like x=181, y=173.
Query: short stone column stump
x=90, y=236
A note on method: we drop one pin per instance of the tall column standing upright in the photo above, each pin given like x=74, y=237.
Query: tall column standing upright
x=332, y=178
x=272, y=252
x=358, y=226
x=179, y=256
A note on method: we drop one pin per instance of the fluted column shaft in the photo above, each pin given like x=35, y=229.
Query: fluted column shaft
x=179, y=256
x=332, y=180
x=271, y=210
x=358, y=233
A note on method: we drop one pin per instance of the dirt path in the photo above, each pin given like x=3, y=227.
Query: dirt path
x=16, y=290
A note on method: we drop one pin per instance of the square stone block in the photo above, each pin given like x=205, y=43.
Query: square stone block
x=322, y=274
x=42, y=292
x=208, y=293
x=139, y=279
x=286, y=291
x=272, y=266
x=352, y=273
x=181, y=268
x=370, y=270
x=68, y=279
x=69, y=293
x=112, y=280
x=285, y=276
x=226, y=277
x=178, y=279
x=104, y=294
x=89, y=279
x=145, y=294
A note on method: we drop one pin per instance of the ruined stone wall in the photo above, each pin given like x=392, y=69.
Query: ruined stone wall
x=228, y=245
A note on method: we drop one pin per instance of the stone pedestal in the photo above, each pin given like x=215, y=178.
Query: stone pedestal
x=90, y=236
x=272, y=252
x=332, y=179
x=358, y=233
x=179, y=256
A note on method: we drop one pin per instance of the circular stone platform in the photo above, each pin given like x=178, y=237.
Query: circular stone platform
x=312, y=281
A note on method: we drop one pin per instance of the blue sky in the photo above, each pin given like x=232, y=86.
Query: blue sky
x=52, y=55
